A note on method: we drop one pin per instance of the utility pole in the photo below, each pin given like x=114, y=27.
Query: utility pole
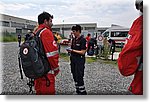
x=63, y=29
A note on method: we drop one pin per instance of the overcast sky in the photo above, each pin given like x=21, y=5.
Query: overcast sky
x=102, y=12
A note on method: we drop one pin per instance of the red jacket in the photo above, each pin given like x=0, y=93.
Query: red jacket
x=50, y=46
x=130, y=58
x=87, y=40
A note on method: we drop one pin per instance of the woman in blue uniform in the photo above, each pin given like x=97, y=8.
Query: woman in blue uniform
x=78, y=50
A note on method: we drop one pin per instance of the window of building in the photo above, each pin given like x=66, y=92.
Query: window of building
x=119, y=34
x=56, y=29
x=89, y=28
x=0, y=23
x=66, y=29
x=5, y=23
x=18, y=31
x=15, y=24
x=30, y=26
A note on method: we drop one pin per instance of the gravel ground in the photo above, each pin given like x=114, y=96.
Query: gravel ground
x=100, y=78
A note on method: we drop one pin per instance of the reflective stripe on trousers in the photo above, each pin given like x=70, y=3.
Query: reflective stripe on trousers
x=51, y=54
x=80, y=88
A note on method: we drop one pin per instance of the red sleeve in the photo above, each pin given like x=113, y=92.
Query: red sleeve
x=50, y=47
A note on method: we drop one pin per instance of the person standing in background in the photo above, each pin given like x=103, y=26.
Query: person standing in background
x=58, y=41
x=19, y=39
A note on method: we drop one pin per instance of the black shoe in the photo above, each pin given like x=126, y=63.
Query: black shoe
x=84, y=93
x=81, y=93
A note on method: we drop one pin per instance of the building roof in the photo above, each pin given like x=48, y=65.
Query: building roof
x=117, y=27
x=13, y=18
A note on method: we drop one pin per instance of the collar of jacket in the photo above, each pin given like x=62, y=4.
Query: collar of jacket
x=44, y=26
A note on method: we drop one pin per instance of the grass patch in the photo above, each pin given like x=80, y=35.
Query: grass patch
x=110, y=62
x=1, y=39
x=67, y=58
x=118, y=49
x=9, y=39
x=91, y=59
x=64, y=56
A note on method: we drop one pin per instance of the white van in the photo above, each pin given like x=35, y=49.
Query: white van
x=117, y=33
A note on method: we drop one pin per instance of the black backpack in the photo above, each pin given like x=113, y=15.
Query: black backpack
x=32, y=58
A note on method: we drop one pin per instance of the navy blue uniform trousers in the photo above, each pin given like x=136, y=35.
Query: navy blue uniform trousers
x=77, y=69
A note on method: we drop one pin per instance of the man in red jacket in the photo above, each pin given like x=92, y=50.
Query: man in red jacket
x=51, y=51
x=130, y=59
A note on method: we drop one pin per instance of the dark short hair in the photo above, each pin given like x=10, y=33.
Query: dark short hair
x=138, y=4
x=89, y=34
x=76, y=28
x=73, y=28
x=43, y=16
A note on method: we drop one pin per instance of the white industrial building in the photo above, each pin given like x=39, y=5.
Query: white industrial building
x=14, y=25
